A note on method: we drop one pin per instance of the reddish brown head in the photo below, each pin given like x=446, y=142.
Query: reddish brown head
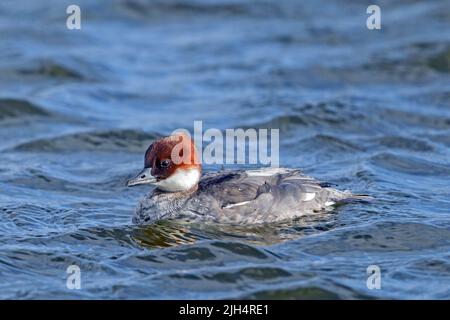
x=172, y=164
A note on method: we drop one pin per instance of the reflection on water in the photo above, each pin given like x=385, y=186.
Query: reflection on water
x=366, y=110
x=172, y=232
x=164, y=234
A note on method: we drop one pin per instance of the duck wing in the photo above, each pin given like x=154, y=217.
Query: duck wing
x=263, y=195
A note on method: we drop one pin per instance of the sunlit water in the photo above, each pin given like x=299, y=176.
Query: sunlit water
x=367, y=110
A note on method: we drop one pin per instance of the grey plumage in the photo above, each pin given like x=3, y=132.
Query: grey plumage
x=252, y=196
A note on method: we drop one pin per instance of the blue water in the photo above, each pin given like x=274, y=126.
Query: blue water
x=368, y=110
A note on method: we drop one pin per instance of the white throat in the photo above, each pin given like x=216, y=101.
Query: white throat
x=180, y=180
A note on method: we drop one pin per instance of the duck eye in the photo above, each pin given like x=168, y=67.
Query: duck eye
x=165, y=163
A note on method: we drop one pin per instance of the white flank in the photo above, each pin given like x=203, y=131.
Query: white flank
x=180, y=180
x=265, y=172
x=309, y=196
x=329, y=203
x=236, y=204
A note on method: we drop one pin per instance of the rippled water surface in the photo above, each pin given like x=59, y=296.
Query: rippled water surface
x=367, y=110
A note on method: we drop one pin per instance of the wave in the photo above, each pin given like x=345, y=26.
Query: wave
x=51, y=69
x=335, y=114
x=440, y=62
x=109, y=140
x=396, y=142
x=415, y=62
x=329, y=144
x=410, y=165
x=18, y=108
x=176, y=8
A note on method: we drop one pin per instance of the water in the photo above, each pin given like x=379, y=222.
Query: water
x=367, y=110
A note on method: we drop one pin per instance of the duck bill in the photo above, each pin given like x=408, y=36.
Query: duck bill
x=143, y=177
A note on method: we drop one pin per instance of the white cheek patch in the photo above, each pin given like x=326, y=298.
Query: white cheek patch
x=180, y=180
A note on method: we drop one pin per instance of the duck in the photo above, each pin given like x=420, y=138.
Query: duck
x=252, y=196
